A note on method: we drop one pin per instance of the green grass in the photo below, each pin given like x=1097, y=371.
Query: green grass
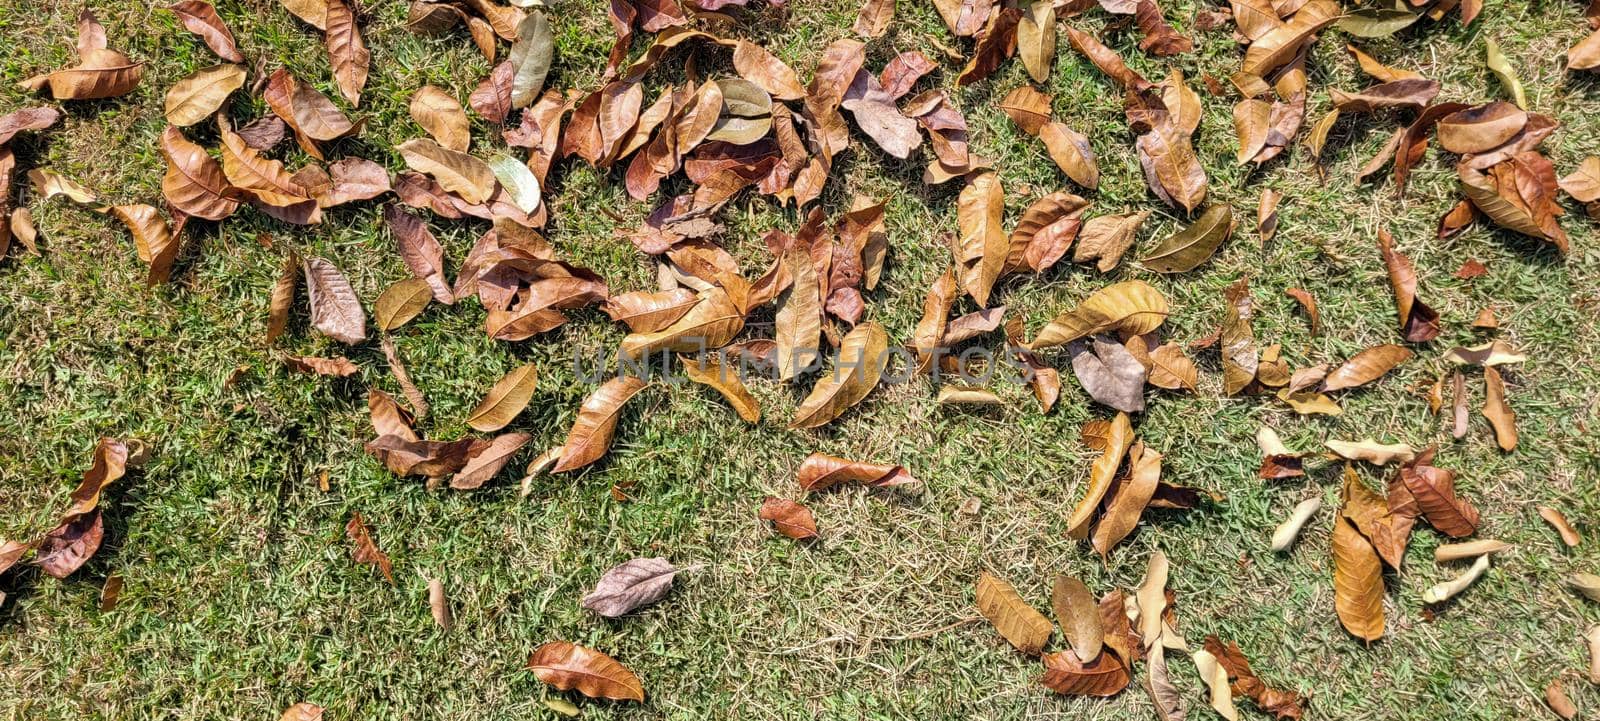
x=241, y=597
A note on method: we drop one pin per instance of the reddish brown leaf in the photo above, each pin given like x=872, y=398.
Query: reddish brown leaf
x=195, y=183
x=366, y=550
x=1433, y=489
x=596, y=423
x=567, y=666
x=790, y=518
x=200, y=18
x=1418, y=322
x=1366, y=367
x=1106, y=675
x=819, y=472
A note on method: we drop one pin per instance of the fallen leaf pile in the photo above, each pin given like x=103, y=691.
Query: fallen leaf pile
x=695, y=121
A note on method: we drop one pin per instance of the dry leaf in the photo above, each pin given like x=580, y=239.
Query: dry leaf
x=1079, y=616
x=1106, y=675
x=1216, y=679
x=505, y=400
x=1471, y=549
x=485, y=459
x=1071, y=152
x=401, y=302
x=198, y=95
x=347, y=53
x=100, y=72
x=1109, y=373
x=1128, y=499
x=1036, y=39
x=338, y=366
x=797, y=326
x=1500, y=415
x=1366, y=367
x=157, y=246
x=200, y=18
x=639, y=582
x=1357, y=581
x=302, y=711
x=456, y=172
x=820, y=472
x=1189, y=248
x=711, y=323
x=1107, y=237
x=983, y=247
x=530, y=58
x=1373, y=452
x=1130, y=308
x=709, y=370
x=1558, y=521
x=1435, y=494
x=1284, y=535
x=596, y=423
x=335, y=308
x=1021, y=625
x=1028, y=108
x=1418, y=322
x=859, y=366
x=790, y=518
x=567, y=666
x=1102, y=475
x=366, y=551
x=438, y=113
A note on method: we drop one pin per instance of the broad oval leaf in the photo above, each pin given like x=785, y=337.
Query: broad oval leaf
x=1106, y=675
x=820, y=472
x=200, y=18
x=1130, y=307
x=1480, y=129
x=457, y=172
x=1071, y=152
x=645, y=312
x=790, y=518
x=401, y=302
x=982, y=249
x=196, y=97
x=639, y=582
x=335, y=308
x=194, y=183
x=347, y=52
x=596, y=423
x=1079, y=616
x=1194, y=245
x=530, y=58
x=711, y=323
x=505, y=400
x=1357, y=581
x=157, y=246
x=438, y=113
x=520, y=186
x=568, y=666
x=1021, y=625
x=1366, y=366
x=863, y=354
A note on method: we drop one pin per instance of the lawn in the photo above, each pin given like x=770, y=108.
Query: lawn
x=241, y=597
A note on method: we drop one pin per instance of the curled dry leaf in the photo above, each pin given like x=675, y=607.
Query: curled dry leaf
x=366, y=550
x=1558, y=521
x=1435, y=494
x=439, y=605
x=647, y=312
x=1079, y=616
x=983, y=247
x=1106, y=675
x=1284, y=535
x=639, y=582
x=863, y=355
x=1028, y=108
x=1194, y=245
x=596, y=423
x=790, y=518
x=200, y=18
x=1366, y=367
x=1418, y=322
x=567, y=666
x=709, y=370
x=1471, y=549
x=505, y=400
x=1555, y=696
x=197, y=96
x=964, y=395
x=1587, y=584
x=399, y=303
x=711, y=323
x=1500, y=415
x=1441, y=592
x=335, y=308
x=1130, y=308
x=1127, y=501
x=48, y=184
x=1481, y=128
x=485, y=459
x=1216, y=679
x=1281, y=704
x=1036, y=39
x=347, y=52
x=1493, y=353
x=1267, y=216
x=282, y=297
x=1021, y=625
x=156, y=245
x=820, y=472
x=1371, y=451
x=100, y=73
x=1309, y=303
x=337, y=367
x=1102, y=475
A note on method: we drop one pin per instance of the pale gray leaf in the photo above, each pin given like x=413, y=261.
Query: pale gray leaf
x=530, y=58
x=1109, y=373
x=638, y=582
x=335, y=308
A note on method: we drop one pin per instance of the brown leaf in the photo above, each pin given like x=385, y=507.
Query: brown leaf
x=195, y=97
x=1071, y=152
x=1130, y=308
x=1418, y=322
x=263, y=133
x=997, y=42
x=1172, y=170
x=1366, y=367
x=338, y=366
x=647, y=312
x=711, y=323
x=1556, y=697
x=820, y=472
x=420, y=251
x=1194, y=245
x=1357, y=582
x=259, y=177
x=200, y=18
x=1458, y=412
x=434, y=459
x=67, y=547
x=100, y=72
x=1482, y=128
x=1500, y=415
x=797, y=325
x=388, y=418
x=1558, y=521
x=505, y=400
x=596, y=423
x=1281, y=704
x=157, y=246
x=1412, y=93
x=366, y=550
x=530, y=58
x=1036, y=39
x=335, y=308
x=1435, y=494
x=18, y=121
x=1021, y=625
x=874, y=18
x=755, y=64
x=790, y=518
x=1045, y=232
x=1107, y=238
x=1159, y=37
x=1102, y=475
x=1518, y=194
x=438, y=113
x=1586, y=54
x=567, y=666
x=1079, y=616
x=312, y=12
x=346, y=51
x=709, y=370
x=1252, y=122
x=1388, y=531
x=1028, y=108
x=492, y=97
x=282, y=297
x=863, y=354
x=1239, y=360
x=401, y=302
x=1106, y=675
x=456, y=172
x=1170, y=368
x=1127, y=501
x=194, y=183
x=875, y=113
x=639, y=582
x=309, y=113
x=1109, y=373
x=1104, y=58
x=1309, y=303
